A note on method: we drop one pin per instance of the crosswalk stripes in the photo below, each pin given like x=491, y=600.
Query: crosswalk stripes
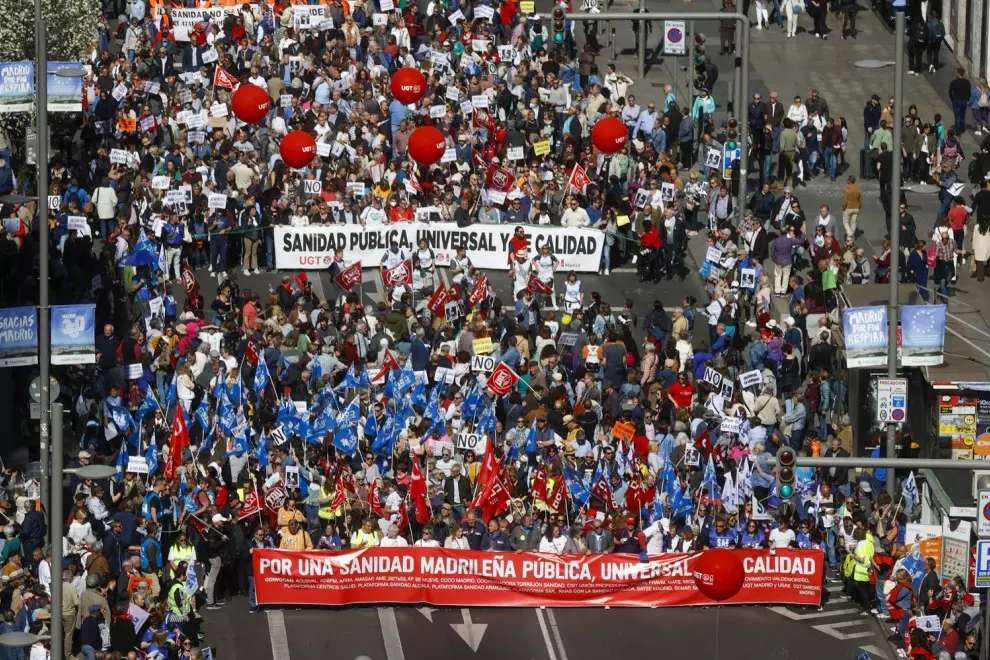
x=839, y=619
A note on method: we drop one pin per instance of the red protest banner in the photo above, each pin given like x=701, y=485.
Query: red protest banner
x=349, y=277
x=467, y=578
x=399, y=275
x=536, y=285
x=251, y=505
x=502, y=379
x=478, y=292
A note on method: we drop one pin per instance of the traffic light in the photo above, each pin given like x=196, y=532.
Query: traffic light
x=700, y=73
x=732, y=134
x=559, y=27
x=786, y=458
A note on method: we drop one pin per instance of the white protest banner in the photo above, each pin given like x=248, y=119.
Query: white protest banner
x=931, y=623
x=496, y=197
x=453, y=94
x=451, y=311
x=148, y=124
x=483, y=363
x=219, y=110
x=515, y=153
x=449, y=155
x=692, y=456
x=160, y=183
x=195, y=120
x=759, y=511
x=751, y=378
x=467, y=108
x=54, y=202
x=714, y=255
x=380, y=19
x=475, y=442
x=386, y=5
x=336, y=149
x=119, y=92
x=484, y=11
x=78, y=224
x=174, y=197
x=479, y=101
x=713, y=377
x=285, y=100
x=118, y=156
x=210, y=56
x=438, y=111
x=456, y=16
x=312, y=187
x=730, y=425
x=506, y=53
x=291, y=476
x=137, y=465
x=487, y=245
x=444, y=374
x=217, y=201
x=133, y=371
x=323, y=149
x=183, y=20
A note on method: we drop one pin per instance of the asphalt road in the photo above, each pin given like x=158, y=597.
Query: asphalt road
x=399, y=633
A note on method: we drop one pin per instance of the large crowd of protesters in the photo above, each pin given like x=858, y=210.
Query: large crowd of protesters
x=628, y=430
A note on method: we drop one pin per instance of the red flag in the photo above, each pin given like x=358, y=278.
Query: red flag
x=346, y=476
x=189, y=282
x=349, y=277
x=483, y=119
x=579, y=178
x=389, y=362
x=403, y=521
x=177, y=444
x=636, y=495
x=603, y=491
x=375, y=499
x=338, y=494
x=704, y=445
x=417, y=493
x=223, y=79
x=479, y=292
x=412, y=184
x=251, y=505
x=495, y=499
x=498, y=179
x=502, y=380
x=275, y=495
x=438, y=300
x=538, y=491
x=401, y=274
x=251, y=352
x=536, y=285
x=489, y=466
x=555, y=496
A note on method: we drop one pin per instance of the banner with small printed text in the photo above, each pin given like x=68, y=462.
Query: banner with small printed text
x=466, y=578
x=18, y=336
x=487, y=245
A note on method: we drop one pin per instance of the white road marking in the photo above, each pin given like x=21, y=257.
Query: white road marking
x=546, y=634
x=556, y=634
x=470, y=631
x=279, y=637
x=831, y=629
x=427, y=612
x=815, y=614
x=390, y=634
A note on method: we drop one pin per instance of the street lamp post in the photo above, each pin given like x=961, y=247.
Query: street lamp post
x=44, y=309
x=895, y=235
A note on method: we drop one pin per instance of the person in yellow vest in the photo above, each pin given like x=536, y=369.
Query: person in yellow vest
x=863, y=558
x=367, y=536
x=327, y=509
x=295, y=538
x=471, y=467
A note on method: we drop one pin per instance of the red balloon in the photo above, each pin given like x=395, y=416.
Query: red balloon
x=408, y=85
x=719, y=574
x=251, y=103
x=610, y=135
x=298, y=149
x=427, y=145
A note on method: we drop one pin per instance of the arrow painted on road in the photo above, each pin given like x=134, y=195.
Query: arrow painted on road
x=427, y=612
x=469, y=631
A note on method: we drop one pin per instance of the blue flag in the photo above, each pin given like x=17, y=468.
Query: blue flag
x=122, y=459
x=680, y=501
x=149, y=405
x=350, y=380
x=419, y=395
x=226, y=415
x=471, y=403
x=710, y=480
x=261, y=378
x=316, y=369
x=669, y=478
x=192, y=579
x=575, y=487
x=384, y=443
x=351, y=415
x=240, y=444
x=172, y=394
x=399, y=382
x=151, y=457
x=531, y=442
x=202, y=414
x=371, y=426
x=261, y=453
x=119, y=415
x=208, y=441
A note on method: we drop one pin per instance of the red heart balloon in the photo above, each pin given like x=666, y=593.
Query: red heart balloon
x=408, y=85
x=719, y=574
x=298, y=149
x=610, y=135
x=427, y=145
x=251, y=103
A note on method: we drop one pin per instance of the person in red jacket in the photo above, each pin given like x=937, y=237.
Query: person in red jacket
x=649, y=253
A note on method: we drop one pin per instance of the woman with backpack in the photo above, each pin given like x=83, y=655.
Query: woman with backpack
x=917, y=44
x=979, y=103
x=900, y=602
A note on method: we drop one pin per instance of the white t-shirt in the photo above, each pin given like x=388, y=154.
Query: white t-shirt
x=781, y=539
x=397, y=542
